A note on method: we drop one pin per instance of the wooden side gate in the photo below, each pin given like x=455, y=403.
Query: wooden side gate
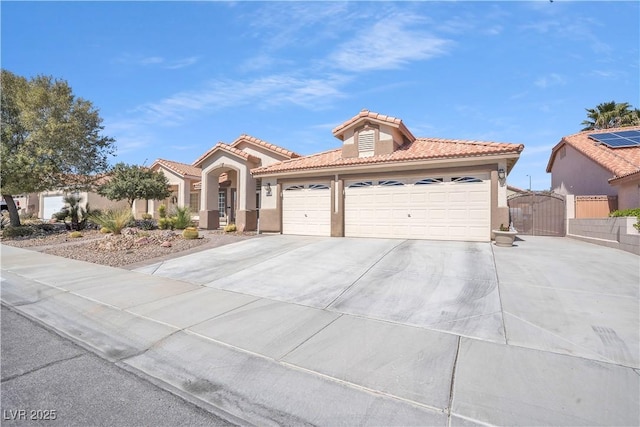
x=538, y=213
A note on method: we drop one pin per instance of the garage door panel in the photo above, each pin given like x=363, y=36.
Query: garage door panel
x=437, y=196
x=306, y=212
x=441, y=211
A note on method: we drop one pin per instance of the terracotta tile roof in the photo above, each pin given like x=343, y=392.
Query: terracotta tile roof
x=181, y=169
x=227, y=148
x=420, y=149
x=265, y=144
x=619, y=161
x=376, y=117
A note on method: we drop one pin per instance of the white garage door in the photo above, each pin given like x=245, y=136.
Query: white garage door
x=51, y=205
x=306, y=210
x=438, y=208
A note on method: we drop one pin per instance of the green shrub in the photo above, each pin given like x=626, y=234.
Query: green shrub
x=165, y=223
x=182, y=217
x=113, y=220
x=75, y=234
x=162, y=211
x=12, y=232
x=229, y=228
x=626, y=212
x=147, y=216
x=105, y=230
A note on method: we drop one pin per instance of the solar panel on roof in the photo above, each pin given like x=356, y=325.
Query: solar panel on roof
x=620, y=139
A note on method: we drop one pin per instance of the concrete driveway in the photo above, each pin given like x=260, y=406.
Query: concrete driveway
x=332, y=331
x=437, y=285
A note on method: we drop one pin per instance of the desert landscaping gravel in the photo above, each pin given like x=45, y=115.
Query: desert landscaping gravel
x=133, y=246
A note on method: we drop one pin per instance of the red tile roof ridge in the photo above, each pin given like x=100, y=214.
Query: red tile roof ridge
x=178, y=167
x=367, y=114
x=266, y=144
x=466, y=141
x=225, y=147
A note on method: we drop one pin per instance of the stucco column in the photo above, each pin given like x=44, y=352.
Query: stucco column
x=246, y=215
x=337, y=208
x=209, y=218
x=184, y=192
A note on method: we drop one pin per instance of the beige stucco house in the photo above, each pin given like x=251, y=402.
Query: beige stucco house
x=381, y=181
x=582, y=165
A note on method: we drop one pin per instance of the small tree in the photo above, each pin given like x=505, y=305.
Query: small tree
x=74, y=212
x=131, y=182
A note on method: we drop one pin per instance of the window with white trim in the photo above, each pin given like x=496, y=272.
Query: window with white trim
x=318, y=187
x=361, y=184
x=465, y=179
x=427, y=181
x=222, y=203
x=194, y=202
x=294, y=187
x=390, y=183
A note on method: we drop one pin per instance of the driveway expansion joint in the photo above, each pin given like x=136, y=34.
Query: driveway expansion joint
x=453, y=378
x=344, y=291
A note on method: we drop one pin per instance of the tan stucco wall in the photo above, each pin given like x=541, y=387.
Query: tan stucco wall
x=270, y=220
x=576, y=174
x=628, y=195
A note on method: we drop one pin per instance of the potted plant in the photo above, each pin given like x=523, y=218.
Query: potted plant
x=504, y=236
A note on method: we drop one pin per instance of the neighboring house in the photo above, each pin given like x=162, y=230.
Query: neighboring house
x=385, y=182
x=599, y=162
x=50, y=202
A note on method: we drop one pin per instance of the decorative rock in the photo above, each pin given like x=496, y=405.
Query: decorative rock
x=166, y=244
x=143, y=241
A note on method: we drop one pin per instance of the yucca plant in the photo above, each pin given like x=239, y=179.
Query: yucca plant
x=113, y=220
x=181, y=217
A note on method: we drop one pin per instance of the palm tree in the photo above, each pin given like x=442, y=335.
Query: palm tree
x=611, y=115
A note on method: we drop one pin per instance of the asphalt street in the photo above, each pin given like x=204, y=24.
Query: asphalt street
x=49, y=380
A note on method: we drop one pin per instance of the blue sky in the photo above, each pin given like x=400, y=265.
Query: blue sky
x=171, y=79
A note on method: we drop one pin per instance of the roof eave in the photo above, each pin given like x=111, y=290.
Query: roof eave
x=403, y=163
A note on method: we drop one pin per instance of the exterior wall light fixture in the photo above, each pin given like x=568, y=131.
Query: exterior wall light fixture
x=268, y=189
x=502, y=176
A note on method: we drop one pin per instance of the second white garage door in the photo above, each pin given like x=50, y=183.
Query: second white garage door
x=438, y=208
x=306, y=210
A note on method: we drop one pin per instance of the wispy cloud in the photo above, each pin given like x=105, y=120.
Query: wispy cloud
x=264, y=92
x=159, y=61
x=552, y=79
x=388, y=44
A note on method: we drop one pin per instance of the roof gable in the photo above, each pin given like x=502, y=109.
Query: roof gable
x=264, y=144
x=221, y=146
x=181, y=169
x=366, y=115
x=619, y=161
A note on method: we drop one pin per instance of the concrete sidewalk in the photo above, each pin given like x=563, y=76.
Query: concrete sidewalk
x=271, y=362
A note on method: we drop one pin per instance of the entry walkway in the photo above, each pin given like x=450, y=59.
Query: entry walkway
x=272, y=362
